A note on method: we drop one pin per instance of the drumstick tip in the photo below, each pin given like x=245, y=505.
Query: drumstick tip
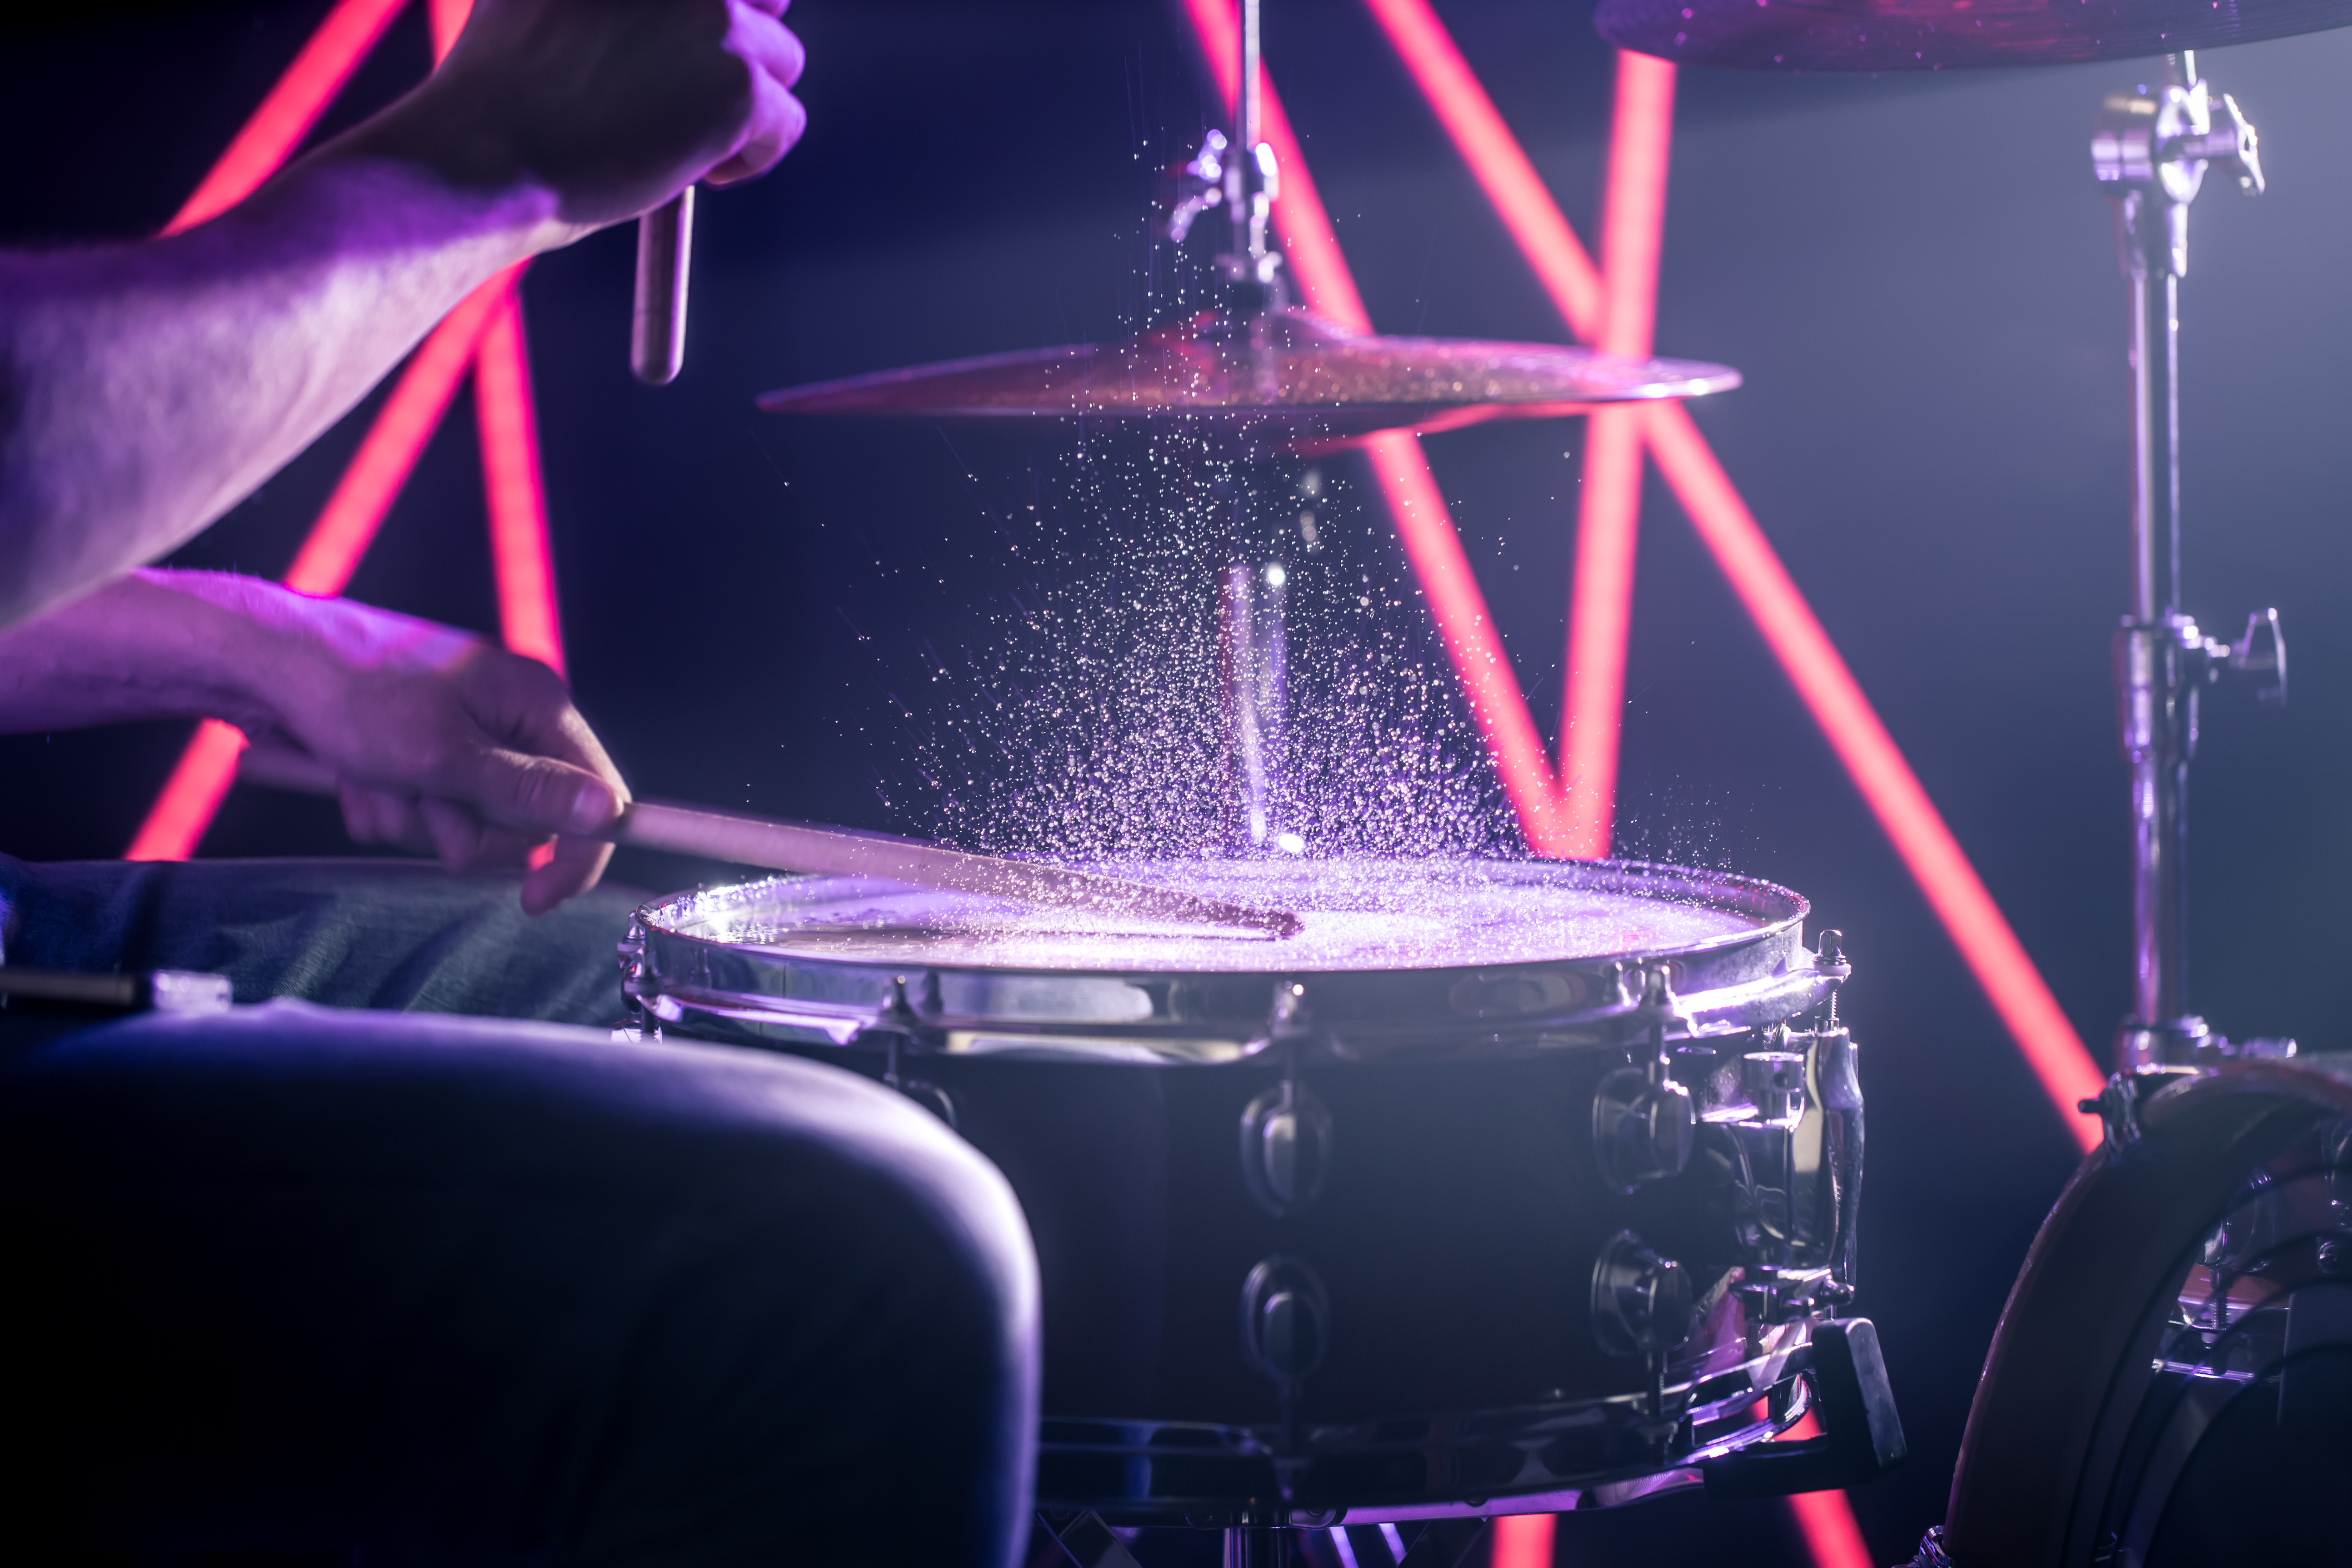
x=1279, y=924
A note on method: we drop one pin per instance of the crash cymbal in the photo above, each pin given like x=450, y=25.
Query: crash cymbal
x=1944, y=35
x=1280, y=377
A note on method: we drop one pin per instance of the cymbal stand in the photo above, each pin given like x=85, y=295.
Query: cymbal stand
x=1239, y=175
x=2152, y=152
x=1255, y=668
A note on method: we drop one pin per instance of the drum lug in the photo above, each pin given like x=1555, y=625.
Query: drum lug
x=1286, y=1148
x=1642, y=1131
x=1288, y=1015
x=1286, y=1321
x=1642, y=1121
x=631, y=951
x=1640, y=1302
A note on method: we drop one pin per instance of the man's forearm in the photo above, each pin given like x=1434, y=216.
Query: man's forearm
x=145, y=389
x=148, y=647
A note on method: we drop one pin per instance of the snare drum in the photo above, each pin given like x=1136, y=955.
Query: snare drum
x=1501, y=1186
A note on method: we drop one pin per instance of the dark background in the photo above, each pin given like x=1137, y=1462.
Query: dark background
x=1915, y=275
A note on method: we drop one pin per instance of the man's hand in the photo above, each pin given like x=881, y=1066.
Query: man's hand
x=444, y=744
x=611, y=106
x=439, y=741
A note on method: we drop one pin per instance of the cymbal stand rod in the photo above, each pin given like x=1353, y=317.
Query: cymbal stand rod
x=2158, y=717
x=1248, y=128
x=1252, y=596
x=1249, y=179
x=2152, y=152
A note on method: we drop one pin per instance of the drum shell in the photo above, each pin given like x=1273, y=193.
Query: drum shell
x=1453, y=1237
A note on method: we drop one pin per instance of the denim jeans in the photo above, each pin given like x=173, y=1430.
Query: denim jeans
x=492, y=1289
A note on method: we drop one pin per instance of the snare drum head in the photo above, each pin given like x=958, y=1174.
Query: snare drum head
x=1358, y=915
x=1426, y=955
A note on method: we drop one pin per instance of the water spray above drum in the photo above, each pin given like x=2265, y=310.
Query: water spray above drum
x=1256, y=381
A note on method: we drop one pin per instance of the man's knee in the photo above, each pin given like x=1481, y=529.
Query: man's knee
x=862, y=1309
x=837, y=1181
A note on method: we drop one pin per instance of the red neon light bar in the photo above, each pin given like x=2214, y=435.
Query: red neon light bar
x=1501, y=168
x=192, y=797
x=446, y=19
x=293, y=106
x=1599, y=621
x=1833, y=1535
x=1989, y=947
x=1601, y=609
x=1434, y=551
x=522, y=561
x=1523, y=1540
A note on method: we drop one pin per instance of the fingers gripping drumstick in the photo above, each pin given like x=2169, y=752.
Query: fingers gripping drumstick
x=842, y=852
x=657, y=320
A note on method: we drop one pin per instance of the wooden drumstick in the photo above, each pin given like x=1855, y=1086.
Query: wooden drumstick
x=845, y=852
x=657, y=319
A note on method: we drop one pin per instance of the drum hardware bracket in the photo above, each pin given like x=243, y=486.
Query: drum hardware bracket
x=2161, y=666
x=1087, y=1541
x=1193, y=187
x=1932, y=1552
x=898, y=1023
x=2163, y=1058
x=1837, y=1084
x=2117, y=1104
x=1861, y=1438
x=1829, y=958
